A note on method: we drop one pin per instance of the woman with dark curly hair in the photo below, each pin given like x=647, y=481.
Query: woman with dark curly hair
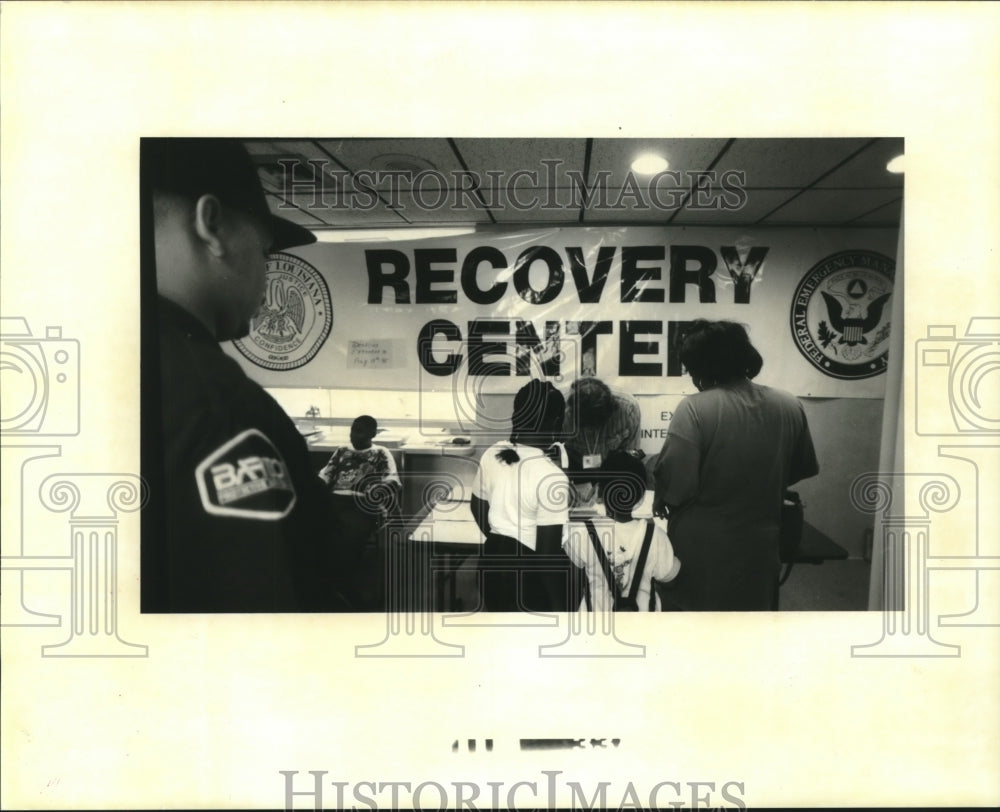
x=731, y=451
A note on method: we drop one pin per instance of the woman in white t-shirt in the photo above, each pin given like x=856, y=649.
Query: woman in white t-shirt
x=621, y=481
x=521, y=503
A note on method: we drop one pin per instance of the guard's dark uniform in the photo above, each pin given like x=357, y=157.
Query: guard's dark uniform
x=246, y=522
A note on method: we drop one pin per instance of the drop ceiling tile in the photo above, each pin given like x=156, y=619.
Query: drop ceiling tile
x=336, y=212
x=261, y=146
x=296, y=166
x=867, y=169
x=887, y=216
x=443, y=209
x=615, y=155
x=758, y=203
x=783, y=162
x=526, y=179
x=406, y=156
x=559, y=205
x=636, y=204
x=830, y=207
x=549, y=158
x=297, y=215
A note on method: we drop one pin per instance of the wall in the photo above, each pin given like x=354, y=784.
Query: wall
x=846, y=434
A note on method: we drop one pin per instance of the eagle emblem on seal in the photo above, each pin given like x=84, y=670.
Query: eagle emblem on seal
x=840, y=315
x=852, y=328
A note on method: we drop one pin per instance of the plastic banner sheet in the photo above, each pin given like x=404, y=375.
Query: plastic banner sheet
x=483, y=311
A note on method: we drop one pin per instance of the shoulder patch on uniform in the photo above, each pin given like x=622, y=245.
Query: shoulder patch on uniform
x=246, y=478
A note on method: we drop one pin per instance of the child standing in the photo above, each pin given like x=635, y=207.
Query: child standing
x=633, y=552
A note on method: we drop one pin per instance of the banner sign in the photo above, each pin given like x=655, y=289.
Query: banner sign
x=488, y=310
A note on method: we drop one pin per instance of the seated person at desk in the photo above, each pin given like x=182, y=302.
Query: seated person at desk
x=597, y=422
x=364, y=484
x=520, y=500
x=731, y=451
x=622, y=538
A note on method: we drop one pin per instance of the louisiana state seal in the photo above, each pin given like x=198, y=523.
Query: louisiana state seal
x=840, y=315
x=295, y=319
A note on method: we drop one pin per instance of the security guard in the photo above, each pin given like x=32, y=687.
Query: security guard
x=242, y=521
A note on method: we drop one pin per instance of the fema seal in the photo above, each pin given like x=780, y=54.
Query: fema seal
x=294, y=320
x=840, y=314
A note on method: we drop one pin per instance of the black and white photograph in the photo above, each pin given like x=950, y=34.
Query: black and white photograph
x=425, y=302
x=499, y=406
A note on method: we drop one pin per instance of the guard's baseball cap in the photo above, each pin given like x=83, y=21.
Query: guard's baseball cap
x=193, y=167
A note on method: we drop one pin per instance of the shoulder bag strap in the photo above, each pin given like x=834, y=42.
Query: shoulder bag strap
x=641, y=563
x=603, y=558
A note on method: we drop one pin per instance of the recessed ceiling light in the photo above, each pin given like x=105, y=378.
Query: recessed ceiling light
x=896, y=165
x=649, y=163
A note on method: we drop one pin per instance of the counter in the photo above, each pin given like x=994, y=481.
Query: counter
x=429, y=464
x=410, y=440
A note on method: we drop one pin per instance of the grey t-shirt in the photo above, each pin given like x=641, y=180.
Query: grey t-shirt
x=730, y=453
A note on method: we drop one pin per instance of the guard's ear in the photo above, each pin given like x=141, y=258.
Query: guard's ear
x=208, y=224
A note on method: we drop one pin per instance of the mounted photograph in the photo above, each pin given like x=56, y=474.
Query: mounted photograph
x=533, y=375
